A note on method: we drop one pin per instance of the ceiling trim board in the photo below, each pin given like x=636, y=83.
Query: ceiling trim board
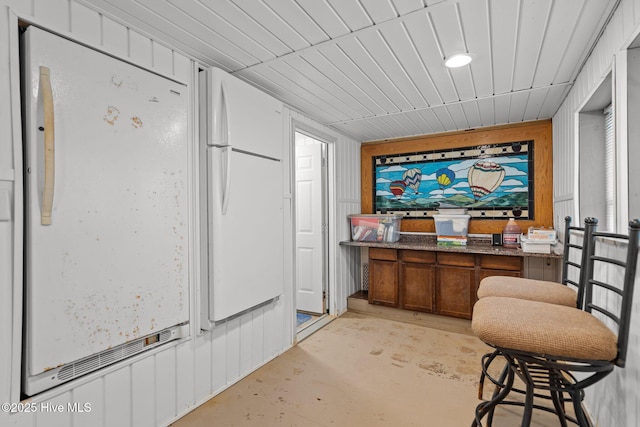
x=431, y=107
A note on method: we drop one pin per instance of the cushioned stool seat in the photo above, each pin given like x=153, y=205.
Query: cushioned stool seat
x=538, y=327
x=527, y=289
x=540, y=290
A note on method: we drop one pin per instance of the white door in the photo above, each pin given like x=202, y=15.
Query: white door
x=309, y=227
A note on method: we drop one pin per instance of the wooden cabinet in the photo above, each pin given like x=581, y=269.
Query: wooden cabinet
x=417, y=280
x=433, y=282
x=495, y=265
x=456, y=289
x=383, y=277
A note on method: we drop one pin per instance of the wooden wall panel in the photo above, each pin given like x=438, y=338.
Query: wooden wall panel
x=255, y=336
x=246, y=347
x=54, y=12
x=117, y=37
x=219, y=358
x=143, y=386
x=232, y=356
x=203, y=359
x=117, y=399
x=162, y=58
x=85, y=23
x=140, y=48
x=93, y=394
x=270, y=331
x=539, y=131
x=165, y=386
x=61, y=418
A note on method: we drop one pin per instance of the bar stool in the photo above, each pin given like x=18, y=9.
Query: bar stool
x=546, y=344
x=540, y=290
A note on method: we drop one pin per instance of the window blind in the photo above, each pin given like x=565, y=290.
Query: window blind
x=609, y=222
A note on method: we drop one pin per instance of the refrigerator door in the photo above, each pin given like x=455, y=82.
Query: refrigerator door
x=246, y=239
x=242, y=116
x=109, y=265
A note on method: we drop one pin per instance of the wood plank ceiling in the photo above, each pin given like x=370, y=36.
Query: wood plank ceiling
x=373, y=69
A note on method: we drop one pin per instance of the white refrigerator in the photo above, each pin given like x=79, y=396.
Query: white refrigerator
x=106, y=224
x=241, y=160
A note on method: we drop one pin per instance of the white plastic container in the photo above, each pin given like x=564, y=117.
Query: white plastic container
x=375, y=228
x=448, y=226
x=535, y=246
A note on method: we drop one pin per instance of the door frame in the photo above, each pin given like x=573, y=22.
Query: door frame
x=330, y=209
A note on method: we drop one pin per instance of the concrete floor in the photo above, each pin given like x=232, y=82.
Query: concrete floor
x=362, y=370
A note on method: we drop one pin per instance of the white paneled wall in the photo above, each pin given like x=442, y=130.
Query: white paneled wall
x=614, y=401
x=157, y=387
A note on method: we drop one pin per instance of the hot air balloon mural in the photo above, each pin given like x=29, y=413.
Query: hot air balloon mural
x=397, y=188
x=486, y=180
x=445, y=177
x=412, y=178
x=484, y=177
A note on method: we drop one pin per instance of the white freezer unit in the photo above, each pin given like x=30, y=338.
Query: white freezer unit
x=106, y=192
x=242, y=211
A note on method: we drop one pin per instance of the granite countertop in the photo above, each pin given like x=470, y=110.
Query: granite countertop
x=475, y=245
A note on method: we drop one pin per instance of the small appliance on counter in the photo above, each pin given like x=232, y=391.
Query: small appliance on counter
x=375, y=228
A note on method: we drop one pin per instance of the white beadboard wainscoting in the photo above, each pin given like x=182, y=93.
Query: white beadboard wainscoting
x=157, y=387
x=613, y=401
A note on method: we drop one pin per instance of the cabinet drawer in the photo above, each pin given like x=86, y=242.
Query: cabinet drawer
x=383, y=254
x=501, y=262
x=458, y=260
x=423, y=257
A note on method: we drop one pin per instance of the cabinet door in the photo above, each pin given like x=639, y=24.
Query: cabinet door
x=487, y=272
x=383, y=282
x=455, y=291
x=417, y=286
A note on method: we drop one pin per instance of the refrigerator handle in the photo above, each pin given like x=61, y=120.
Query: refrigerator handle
x=49, y=146
x=227, y=179
x=215, y=101
x=226, y=129
x=226, y=113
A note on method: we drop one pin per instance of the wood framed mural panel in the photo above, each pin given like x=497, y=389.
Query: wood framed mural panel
x=494, y=173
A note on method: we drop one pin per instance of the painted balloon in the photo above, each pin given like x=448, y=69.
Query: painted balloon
x=397, y=188
x=412, y=178
x=445, y=177
x=484, y=177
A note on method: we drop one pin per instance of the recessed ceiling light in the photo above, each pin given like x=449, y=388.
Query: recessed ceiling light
x=458, y=60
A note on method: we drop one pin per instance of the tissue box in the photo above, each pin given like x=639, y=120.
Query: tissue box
x=375, y=228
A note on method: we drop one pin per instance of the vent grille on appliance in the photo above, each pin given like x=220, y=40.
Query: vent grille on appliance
x=107, y=357
x=365, y=277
